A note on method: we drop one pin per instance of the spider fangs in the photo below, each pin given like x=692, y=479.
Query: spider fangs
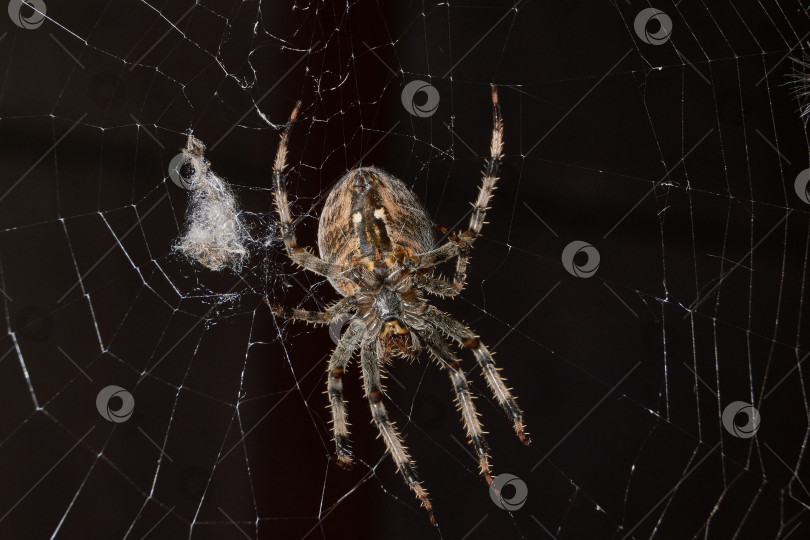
x=377, y=248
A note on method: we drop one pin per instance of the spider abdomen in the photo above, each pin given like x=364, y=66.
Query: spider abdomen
x=370, y=215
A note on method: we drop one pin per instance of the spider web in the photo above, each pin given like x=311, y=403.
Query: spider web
x=642, y=279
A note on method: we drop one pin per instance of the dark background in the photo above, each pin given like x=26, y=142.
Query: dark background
x=627, y=434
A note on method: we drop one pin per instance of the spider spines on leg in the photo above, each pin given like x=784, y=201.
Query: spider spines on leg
x=336, y=368
x=343, y=461
x=487, y=476
x=281, y=154
x=520, y=430
x=395, y=447
x=424, y=498
x=436, y=285
x=441, y=353
x=497, y=384
x=485, y=192
x=314, y=318
x=296, y=254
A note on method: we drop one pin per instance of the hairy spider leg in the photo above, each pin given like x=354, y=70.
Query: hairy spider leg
x=497, y=384
x=436, y=285
x=298, y=255
x=460, y=244
x=372, y=384
x=475, y=432
x=334, y=387
x=344, y=305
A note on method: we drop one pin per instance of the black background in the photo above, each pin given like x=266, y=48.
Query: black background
x=614, y=116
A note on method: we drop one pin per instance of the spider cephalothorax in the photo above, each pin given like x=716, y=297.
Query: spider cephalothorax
x=378, y=249
x=390, y=308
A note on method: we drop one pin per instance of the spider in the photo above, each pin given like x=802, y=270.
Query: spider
x=377, y=248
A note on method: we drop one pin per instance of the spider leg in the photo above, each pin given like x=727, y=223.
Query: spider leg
x=298, y=255
x=444, y=356
x=452, y=248
x=497, y=384
x=343, y=305
x=490, y=177
x=460, y=244
x=369, y=362
x=334, y=387
x=435, y=285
